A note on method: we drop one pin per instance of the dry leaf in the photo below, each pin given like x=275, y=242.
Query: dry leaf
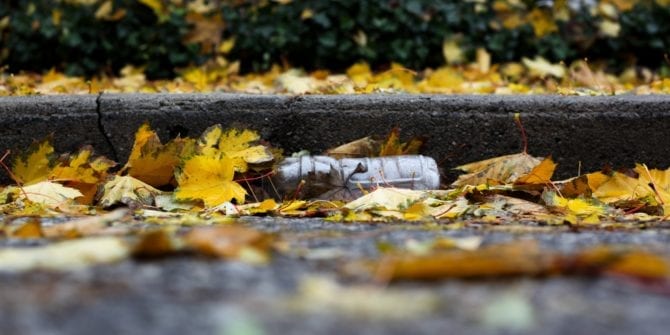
x=152, y=162
x=503, y=170
x=392, y=146
x=35, y=164
x=65, y=256
x=364, y=147
x=233, y=242
x=49, y=193
x=386, y=198
x=127, y=190
x=234, y=144
x=29, y=230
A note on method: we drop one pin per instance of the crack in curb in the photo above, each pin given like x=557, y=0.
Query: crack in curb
x=101, y=128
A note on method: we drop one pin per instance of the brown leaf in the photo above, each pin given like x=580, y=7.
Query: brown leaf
x=363, y=147
x=513, y=259
x=503, y=170
x=392, y=145
x=230, y=242
x=29, y=230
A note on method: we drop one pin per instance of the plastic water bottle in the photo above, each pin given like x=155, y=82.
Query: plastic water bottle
x=325, y=177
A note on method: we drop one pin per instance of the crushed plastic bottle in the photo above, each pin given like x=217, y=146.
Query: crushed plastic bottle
x=329, y=178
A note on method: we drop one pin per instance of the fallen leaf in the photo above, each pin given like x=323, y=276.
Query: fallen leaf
x=232, y=242
x=29, y=230
x=392, y=146
x=234, y=144
x=386, y=198
x=65, y=256
x=35, y=164
x=504, y=170
x=85, y=226
x=153, y=162
x=127, y=190
x=364, y=147
x=651, y=186
x=208, y=179
x=82, y=172
x=541, y=68
x=323, y=295
x=540, y=174
x=156, y=243
x=49, y=193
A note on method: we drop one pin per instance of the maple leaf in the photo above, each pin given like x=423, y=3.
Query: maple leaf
x=35, y=164
x=209, y=179
x=127, y=190
x=152, y=162
x=363, y=147
x=578, y=210
x=540, y=174
x=392, y=146
x=651, y=186
x=504, y=169
x=583, y=185
x=81, y=172
x=234, y=144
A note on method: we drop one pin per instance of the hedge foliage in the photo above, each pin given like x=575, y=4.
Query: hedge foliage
x=93, y=36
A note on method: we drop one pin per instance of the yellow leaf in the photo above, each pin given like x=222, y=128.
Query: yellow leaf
x=360, y=73
x=152, y=162
x=541, y=68
x=416, y=212
x=443, y=80
x=363, y=147
x=452, y=52
x=578, y=210
x=542, y=21
x=50, y=193
x=387, y=198
x=503, y=169
x=264, y=207
x=541, y=174
x=609, y=28
x=156, y=6
x=82, y=173
x=234, y=144
x=34, y=165
x=127, y=190
x=29, y=230
x=209, y=179
x=392, y=146
x=227, y=45
x=623, y=187
x=104, y=10
x=69, y=255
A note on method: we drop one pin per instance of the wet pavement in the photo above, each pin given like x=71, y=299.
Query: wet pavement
x=303, y=290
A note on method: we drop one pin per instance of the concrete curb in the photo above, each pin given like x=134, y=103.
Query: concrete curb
x=587, y=131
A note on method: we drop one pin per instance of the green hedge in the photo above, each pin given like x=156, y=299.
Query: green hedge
x=324, y=34
x=81, y=44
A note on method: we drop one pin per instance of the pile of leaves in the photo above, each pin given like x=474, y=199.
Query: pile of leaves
x=223, y=169
x=205, y=184
x=530, y=76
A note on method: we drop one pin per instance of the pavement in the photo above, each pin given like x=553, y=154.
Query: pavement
x=186, y=294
